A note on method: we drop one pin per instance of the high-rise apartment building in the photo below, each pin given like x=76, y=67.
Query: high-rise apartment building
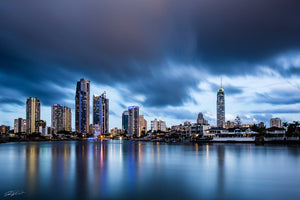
x=20, y=125
x=220, y=107
x=142, y=125
x=57, y=117
x=133, y=120
x=154, y=125
x=33, y=114
x=82, y=106
x=101, y=112
x=67, y=118
x=125, y=120
x=61, y=118
x=161, y=125
x=158, y=125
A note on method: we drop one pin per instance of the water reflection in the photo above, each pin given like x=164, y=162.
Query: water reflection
x=128, y=170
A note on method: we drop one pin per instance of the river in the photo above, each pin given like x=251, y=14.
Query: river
x=137, y=170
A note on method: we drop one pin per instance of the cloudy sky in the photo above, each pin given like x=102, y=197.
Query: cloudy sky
x=166, y=56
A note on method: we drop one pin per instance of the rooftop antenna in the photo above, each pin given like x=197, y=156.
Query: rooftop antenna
x=221, y=80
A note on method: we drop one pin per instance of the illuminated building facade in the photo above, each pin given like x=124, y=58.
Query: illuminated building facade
x=142, y=125
x=133, y=120
x=4, y=129
x=125, y=120
x=61, y=118
x=33, y=114
x=67, y=118
x=19, y=125
x=82, y=106
x=220, y=107
x=101, y=112
x=154, y=125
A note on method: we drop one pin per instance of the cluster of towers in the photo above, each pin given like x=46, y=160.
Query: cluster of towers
x=61, y=117
x=82, y=110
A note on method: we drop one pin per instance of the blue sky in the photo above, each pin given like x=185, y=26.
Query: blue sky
x=164, y=56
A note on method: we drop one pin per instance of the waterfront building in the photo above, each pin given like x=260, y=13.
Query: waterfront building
x=61, y=118
x=158, y=125
x=229, y=124
x=276, y=131
x=197, y=129
x=133, y=120
x=125, y=120
x=275, y=122
x=57, y=117
x=177, y=128
x=20, y=125
x=215, y=131
x=220, y=107
x=4, y=129
x=101, y=112
x=161, y=126
x=82, y=106
x=96, y=130
x=142, y=125
x=154, y=125
x=67, y=119
x=33, y=114
x=187, y=123
x=115, y=131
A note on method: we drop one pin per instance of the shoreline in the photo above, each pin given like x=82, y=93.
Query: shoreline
x=286, y=142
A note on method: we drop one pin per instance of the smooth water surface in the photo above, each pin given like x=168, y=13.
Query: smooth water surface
x=133, y=170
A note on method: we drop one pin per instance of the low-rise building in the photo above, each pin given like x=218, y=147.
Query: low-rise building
x=276, y=131
x=4, y=129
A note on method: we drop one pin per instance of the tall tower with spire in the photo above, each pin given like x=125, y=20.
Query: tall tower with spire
x=220, y=106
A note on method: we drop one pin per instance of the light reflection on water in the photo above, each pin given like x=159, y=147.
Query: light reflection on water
x=128, y=170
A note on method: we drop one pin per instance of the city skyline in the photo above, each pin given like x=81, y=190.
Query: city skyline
x=163, y=57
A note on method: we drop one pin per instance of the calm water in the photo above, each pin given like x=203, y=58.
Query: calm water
x=128, y=170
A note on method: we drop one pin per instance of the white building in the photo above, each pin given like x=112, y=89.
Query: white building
x=158, y=125
x=275, y=122
x=154, y=125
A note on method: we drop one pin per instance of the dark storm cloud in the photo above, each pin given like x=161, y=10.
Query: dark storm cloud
x=47, y=45
x=174, y=113
x=14, y=101
x=278, y=97
x=278, y=110
x=229, y=89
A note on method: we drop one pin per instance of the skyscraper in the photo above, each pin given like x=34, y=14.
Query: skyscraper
x=142, y=125
x=101, y=112
x=20, y=125
x=33, y=114
x=67, y=117
x=125, y=120
x=220, y=107
x=61, y=118
x=133, y=120
x=57, y=117
x=154, y=125
x=82, y=106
